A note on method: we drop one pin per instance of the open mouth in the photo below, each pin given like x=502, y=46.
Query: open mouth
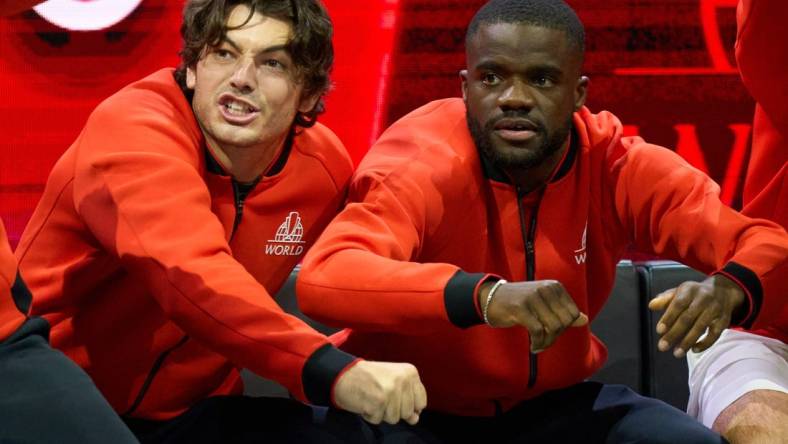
x=236, y=110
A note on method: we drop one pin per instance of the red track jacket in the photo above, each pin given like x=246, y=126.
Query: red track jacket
x=762, y=57
x=427, y=220
x=12, y=291
x=157, y=274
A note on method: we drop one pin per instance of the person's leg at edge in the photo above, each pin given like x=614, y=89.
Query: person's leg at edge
x=648, y=420
x=758, y=417
x=739, y=388
x=46, y=397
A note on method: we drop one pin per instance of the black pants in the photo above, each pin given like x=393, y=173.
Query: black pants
x=47, y=398
x=589, y=412
x=243, y=419
x=584, y=413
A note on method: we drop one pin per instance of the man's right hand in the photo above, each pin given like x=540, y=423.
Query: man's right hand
x=543, y=307
x=382, y=391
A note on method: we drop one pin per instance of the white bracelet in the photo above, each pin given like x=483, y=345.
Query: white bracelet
x=489, y=299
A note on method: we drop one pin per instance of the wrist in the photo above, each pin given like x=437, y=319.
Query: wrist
x=484, y=290
x=490, y=294
x=735, y=294
x=338, y=378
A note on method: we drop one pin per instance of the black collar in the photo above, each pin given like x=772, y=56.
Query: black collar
x=492, y=172
x=213, y=166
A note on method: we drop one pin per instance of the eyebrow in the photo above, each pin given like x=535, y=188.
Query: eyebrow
x=490, y=65
x=270, y=49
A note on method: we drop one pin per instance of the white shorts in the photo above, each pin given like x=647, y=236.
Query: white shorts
x=738, y=363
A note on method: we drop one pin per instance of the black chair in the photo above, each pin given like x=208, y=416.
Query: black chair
x=666, y=377
x=620, y=326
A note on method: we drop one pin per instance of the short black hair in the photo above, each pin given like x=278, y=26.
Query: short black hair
x=553, y=14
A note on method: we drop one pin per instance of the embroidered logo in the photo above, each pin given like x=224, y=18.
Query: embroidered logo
x=580, y=254
x=287, y=241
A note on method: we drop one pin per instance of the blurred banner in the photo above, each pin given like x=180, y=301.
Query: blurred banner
x=665, y=68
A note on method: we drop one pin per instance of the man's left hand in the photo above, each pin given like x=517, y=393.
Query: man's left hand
x=693, y=307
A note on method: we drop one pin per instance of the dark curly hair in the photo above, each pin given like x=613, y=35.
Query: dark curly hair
x=554, y=14
x=204, y=25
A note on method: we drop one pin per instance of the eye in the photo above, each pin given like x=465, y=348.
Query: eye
x=223, y=54
x=490, y=79
x=274, y=64
x=544, y=81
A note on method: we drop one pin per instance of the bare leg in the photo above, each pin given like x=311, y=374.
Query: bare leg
x=758, y=417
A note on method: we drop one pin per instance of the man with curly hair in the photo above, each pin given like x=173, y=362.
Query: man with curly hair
x=183, y=205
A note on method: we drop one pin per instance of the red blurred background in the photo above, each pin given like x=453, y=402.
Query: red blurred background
x=665, y=67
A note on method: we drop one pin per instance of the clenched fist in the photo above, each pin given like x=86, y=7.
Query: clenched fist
x=543, y=307
x=382, y=391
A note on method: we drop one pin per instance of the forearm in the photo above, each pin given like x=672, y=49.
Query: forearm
x=364, y=291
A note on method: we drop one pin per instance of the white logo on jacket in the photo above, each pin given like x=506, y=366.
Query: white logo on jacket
x=287, y=241
x=580, y=254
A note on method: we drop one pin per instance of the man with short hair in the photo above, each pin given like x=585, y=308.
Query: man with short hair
x=183, y=205
x=482, y=234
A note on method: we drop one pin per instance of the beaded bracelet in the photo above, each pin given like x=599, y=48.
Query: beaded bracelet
x=489, y=299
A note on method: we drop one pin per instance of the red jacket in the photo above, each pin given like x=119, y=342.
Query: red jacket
x=427, y=220
x=762, y=57
x=155, y=273
x=12, y=291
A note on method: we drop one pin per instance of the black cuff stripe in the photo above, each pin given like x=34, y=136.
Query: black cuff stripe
x=320, y=372
x=458, y=297
x=21, y=294
x=750, y=280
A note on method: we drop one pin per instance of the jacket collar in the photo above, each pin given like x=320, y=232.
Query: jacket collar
x=214, y=167
x=492, y=172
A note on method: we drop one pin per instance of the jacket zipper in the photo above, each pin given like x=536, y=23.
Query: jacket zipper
x=239, y=198
x=239, y=207
x=530, y=267
x=152, y=374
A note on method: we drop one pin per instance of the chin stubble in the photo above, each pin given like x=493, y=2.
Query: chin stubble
x=482, y=137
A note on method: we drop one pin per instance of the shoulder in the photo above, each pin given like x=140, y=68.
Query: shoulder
x=150, y=115
x=603, y=138
x=616, y=156
x=320, y=143
x=433, y=137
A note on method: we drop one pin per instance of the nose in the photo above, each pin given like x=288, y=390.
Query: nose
x=516, y=96
x=244, y=77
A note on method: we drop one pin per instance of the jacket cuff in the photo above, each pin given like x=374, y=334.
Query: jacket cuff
x=749, y=282
x=460, y=298
x=321, y=370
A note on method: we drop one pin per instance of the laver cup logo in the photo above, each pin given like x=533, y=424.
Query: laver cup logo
x=287, y=241
x=86, y=15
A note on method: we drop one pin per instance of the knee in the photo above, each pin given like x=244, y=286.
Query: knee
x=758, y=417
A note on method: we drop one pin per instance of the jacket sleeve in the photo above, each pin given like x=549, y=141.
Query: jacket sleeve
x=142, y=197
x=673, y=210
x=364, y=272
